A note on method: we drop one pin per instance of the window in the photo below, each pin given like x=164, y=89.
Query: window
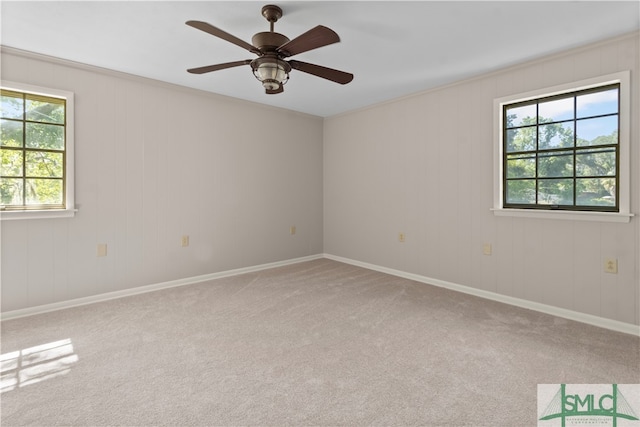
x=565, y=149
x=36, y=138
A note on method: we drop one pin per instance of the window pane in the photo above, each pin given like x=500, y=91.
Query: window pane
x=522, y=191
x=597, y=103
x=555, y=135
x=600, y=162
x=555, y=192
x=556, y=110
x=12, y=105
x=11, y=191
x=45, y=136
x=11, y=163
x=44, y=164
x=41, y=109
x=44, y=191
x=553, y=165
x=521, y=166
x=599, y=131
x=11, y=133
x=596, y=192
x=523, y=139
x=521, y=116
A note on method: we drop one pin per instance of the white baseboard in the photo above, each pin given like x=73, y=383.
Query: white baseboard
x=15, y=314
x=601, y=322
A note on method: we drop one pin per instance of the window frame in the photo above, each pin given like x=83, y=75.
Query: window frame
x=623, y=214
x=69, y=194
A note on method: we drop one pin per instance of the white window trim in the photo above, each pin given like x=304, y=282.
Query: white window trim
x=624, y=215
x=70, y=209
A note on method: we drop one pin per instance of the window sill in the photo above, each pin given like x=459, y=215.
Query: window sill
x=571, y=215
x=35, y=214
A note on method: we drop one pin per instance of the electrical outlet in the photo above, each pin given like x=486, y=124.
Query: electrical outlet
x=102, y=249
x=401, y=237
x=185, y=241
x=611, y=265
x=486, y=249
x=292, y=230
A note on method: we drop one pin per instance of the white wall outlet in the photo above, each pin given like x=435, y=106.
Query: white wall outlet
x=102, y=249
x=292, y=230
x=184, y=241
x=611, y=265
x=401, y=237
x=486, y=249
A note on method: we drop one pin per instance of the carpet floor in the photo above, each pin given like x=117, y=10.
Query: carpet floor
x=310, y=344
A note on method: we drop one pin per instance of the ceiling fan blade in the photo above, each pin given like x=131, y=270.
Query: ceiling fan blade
x=274, y=91
x=210, y=68
x=324, y=72
x=312, y=39
x=208, y=28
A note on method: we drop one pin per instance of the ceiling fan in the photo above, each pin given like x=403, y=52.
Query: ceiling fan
x=270, y=67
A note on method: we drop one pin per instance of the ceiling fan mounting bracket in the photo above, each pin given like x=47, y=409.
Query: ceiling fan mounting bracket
x=271, y=12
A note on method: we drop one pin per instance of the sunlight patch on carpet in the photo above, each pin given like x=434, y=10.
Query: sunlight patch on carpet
x=35, y=364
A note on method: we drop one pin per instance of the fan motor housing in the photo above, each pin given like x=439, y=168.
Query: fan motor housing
x=268, y=40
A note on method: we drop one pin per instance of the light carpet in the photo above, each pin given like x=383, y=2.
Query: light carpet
x=310, y=344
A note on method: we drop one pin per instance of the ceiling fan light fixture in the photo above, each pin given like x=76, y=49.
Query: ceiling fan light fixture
x=271, y=72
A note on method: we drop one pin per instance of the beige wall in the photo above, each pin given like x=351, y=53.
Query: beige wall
x=423, y=165
x=155, y=162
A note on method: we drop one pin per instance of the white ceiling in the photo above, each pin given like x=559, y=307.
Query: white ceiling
x=393, y=48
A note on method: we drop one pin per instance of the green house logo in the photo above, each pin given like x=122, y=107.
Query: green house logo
x=590, y=404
